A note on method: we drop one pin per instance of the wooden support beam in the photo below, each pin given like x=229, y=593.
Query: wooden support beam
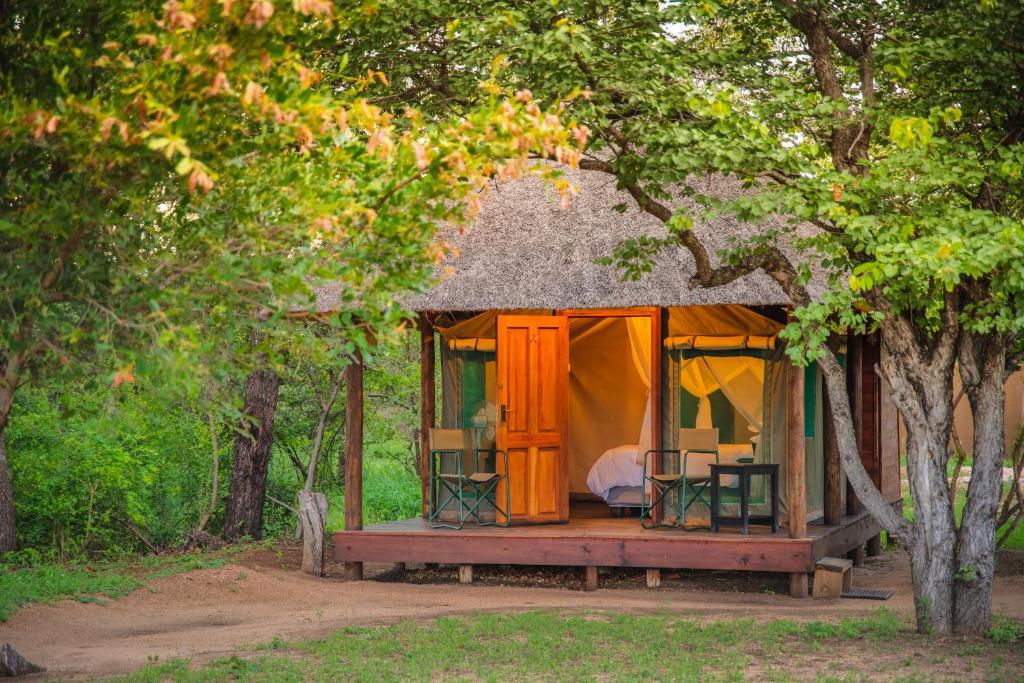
x=428, y=408
x=833, y=468
x=796, y=464
x=653, y=578
x=354, y=457
x=465, y=573
x=855, y=388
x=591, y=583
x=798, y=585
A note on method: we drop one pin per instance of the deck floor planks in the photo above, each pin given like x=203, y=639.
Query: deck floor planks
x=590, y=540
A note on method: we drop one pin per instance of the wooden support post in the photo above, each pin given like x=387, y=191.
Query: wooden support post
x=591, y=584
x=874, y=546
x=796, y=464
x=428, y=410
x=855, y=388
x=798, y=585
x=465, y=573
x=833, y=468
x=857, y=555
x=653, y=578
x=354, y=457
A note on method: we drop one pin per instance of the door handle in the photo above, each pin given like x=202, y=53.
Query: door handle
x=504, y=413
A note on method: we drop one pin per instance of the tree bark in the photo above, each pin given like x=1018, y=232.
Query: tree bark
x=8, y=539
x=313, y=516
x=983, y=370
x=920, y=379
x=244, y=516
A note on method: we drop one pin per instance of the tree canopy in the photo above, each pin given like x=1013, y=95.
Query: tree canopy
x=175, y=171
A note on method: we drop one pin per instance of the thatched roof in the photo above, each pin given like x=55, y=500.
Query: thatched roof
x=525, y=251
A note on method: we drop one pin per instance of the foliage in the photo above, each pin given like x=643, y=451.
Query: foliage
x=185, y=185
x=90, y=464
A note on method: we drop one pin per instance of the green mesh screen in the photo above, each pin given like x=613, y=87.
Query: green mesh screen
x=474, y=384
x=810, y=399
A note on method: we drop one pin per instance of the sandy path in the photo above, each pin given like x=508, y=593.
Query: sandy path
x=212, y=612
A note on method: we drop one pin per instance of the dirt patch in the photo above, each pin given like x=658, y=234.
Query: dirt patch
x=261, y=594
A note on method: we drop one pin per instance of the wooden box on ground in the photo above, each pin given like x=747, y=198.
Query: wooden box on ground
x=832, y=576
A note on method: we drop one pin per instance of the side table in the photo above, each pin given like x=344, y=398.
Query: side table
x=744, y=471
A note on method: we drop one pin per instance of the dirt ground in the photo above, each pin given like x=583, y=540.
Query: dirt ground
x=261, y=595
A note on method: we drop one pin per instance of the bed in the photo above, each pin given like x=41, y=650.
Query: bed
x=618, y=475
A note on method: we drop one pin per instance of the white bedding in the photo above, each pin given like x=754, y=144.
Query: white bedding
x=619, y=466
x=623, y=466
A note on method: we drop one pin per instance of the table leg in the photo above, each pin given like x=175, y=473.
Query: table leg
x=744, y=503
x=714, y=502
x=775, y=501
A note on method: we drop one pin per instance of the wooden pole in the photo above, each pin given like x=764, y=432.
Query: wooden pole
x=796, y=477
x=796, y=482
x=354, y=457
x=591, y=579
x=855, y=385
x=428, y=409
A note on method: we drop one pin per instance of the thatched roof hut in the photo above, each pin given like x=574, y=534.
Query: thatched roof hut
x=525, y=251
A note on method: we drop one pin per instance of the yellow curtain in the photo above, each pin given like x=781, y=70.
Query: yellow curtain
x=640, y=347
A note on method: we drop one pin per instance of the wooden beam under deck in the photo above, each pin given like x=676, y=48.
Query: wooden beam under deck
x=600, y=543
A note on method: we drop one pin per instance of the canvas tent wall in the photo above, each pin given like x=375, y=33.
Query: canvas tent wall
x=722, y=367
x=725, y=368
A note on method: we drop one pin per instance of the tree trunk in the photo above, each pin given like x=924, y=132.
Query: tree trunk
x=933, y=538
x=983, y=370
x=313, y=515
x=244, y=516
x=7, y=527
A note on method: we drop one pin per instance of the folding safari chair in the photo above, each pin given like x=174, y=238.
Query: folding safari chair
x=450, y=486
x=682, y=477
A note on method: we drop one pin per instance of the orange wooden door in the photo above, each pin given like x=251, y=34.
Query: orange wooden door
x=533, y=414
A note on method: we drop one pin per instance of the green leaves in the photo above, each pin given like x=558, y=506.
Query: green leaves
x=910, y=132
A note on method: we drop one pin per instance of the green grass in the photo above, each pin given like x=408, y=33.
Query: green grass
x=550, y=646
x=94, y=582
x=391, y=491
x=48, y=583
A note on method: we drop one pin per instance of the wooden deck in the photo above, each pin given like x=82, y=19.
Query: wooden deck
x=599, y=540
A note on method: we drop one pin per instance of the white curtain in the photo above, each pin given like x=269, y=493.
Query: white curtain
x=697, y=379
x=741, y=379
x=640, y=347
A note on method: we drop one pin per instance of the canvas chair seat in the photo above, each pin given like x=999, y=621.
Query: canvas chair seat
x=466, y=491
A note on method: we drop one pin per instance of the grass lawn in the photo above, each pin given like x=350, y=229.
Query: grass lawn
x=597, y=646
x=94, y=581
